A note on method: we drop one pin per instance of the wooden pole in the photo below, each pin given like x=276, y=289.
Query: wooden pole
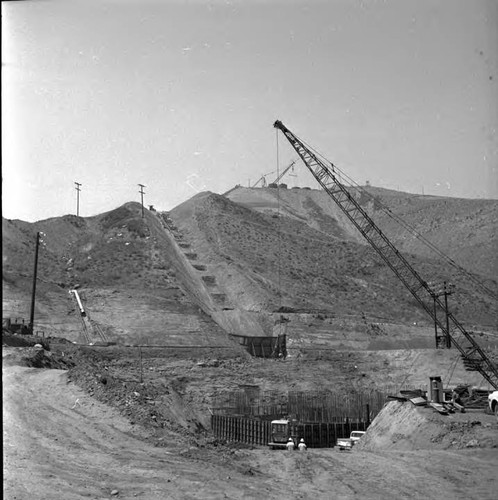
x=33, y=292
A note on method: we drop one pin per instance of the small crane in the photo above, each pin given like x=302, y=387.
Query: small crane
x=279, y=178
x=262, y=180
x=88, y=326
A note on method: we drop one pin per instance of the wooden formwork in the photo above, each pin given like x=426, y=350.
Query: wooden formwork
x=258, y=432
x=263, y=347
x=307, y=406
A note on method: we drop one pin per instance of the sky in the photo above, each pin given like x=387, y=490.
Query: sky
x=181, y=96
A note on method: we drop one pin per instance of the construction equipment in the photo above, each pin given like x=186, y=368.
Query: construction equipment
x=453, y=331
x=262, y=180
x=279, y=178
x=90, y=329
x=284, y=429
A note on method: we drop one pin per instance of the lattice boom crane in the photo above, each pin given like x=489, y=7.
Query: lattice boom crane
x=279, y=178
x=324, y=172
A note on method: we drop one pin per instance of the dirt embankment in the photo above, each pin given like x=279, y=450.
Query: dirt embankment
x=403, y=426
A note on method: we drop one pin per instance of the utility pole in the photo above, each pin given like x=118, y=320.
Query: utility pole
x=78, y=184
x=142, y=196
x=33, y=292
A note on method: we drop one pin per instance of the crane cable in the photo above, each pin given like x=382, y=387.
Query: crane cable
x=452, y=370
x=278, y=228
x=400, y=221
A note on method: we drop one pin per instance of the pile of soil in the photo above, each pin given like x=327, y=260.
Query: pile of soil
x=403, y=426
x=14, y=340
x=41, y=358
x=151, y=403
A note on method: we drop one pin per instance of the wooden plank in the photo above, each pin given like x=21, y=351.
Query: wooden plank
x=459, y=407
x=418, y=401
x=439, y=408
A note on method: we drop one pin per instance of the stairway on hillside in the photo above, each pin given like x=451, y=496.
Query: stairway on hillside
x=209, y=280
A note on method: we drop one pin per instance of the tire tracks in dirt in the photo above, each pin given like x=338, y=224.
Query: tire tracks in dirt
x=61, y=443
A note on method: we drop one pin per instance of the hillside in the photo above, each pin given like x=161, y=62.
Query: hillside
x=465, y=230
x=235, y=261
x=123, y=269
x=309, y=259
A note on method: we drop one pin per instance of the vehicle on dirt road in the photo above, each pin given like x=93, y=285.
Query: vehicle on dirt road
x=348, y=443
x=493, y=403
x=282, y=430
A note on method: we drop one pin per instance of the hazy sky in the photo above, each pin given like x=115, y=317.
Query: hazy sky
x=182, y=95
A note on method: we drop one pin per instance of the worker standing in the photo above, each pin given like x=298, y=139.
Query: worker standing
x=302, y=445
x=290, y=445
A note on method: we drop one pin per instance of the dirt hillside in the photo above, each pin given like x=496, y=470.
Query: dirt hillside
x=237, y=255
x=218, y=265
x=463, y=229
x=264, y=262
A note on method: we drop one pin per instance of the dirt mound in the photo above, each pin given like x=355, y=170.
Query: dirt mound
x=13, y=340
x=403, y=426
x=45, y=359
x=146, y=396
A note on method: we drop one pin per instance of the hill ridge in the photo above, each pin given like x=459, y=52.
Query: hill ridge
x=240, y=258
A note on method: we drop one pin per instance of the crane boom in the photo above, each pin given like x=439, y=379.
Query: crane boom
x=262, y=179
x=277, y=180
x=324, y=172
x=88, y=325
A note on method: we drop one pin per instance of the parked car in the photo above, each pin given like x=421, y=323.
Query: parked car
x=348, y=443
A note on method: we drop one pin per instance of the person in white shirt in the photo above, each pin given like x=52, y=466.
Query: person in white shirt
x=302, y=445
x=290, y=445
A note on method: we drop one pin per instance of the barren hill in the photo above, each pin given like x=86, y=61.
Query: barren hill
x=465, y=230
x=233, y=264
x=123, y=269
x=298, y=252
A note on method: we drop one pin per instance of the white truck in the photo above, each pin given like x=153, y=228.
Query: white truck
x=348, y=443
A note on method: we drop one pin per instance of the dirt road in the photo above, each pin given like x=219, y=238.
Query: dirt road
x=61, y=443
